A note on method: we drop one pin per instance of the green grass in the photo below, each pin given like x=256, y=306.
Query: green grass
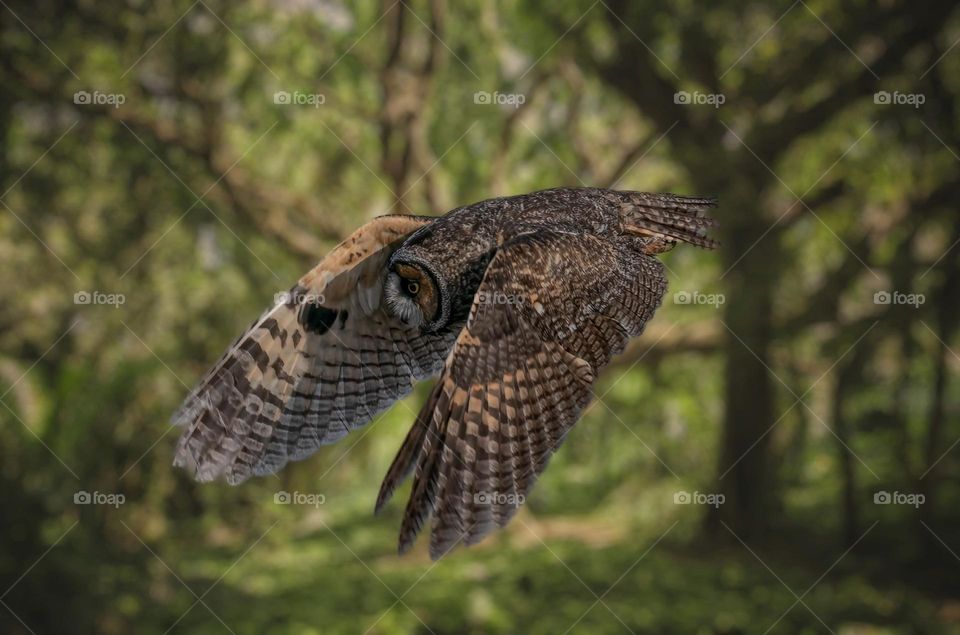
x=300, y=578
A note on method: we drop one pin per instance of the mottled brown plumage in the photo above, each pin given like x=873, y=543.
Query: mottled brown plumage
x=517, y=302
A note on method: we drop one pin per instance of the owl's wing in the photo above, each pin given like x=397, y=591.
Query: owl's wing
x=551, y=311
x=326, y=359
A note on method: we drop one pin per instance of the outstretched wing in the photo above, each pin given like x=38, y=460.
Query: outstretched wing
x=551, y=311
x=324, y=360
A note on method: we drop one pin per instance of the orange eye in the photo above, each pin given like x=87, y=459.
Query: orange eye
x=413, y=287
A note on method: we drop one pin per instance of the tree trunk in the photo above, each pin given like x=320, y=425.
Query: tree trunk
x=948, y=313
x=848, y=503
x=746, y=480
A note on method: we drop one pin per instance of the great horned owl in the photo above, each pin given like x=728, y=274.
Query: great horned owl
x=516, y=302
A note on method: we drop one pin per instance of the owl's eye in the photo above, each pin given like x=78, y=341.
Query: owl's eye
x=413, y=287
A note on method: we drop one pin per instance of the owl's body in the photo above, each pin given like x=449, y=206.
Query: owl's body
x=461, y=243
x=517, y=302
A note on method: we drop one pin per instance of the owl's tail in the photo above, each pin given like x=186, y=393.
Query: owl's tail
x=668, y=217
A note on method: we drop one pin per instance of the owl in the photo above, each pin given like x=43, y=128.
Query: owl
x=516, y=303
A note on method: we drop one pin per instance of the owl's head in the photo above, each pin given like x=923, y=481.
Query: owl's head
x=413, y=294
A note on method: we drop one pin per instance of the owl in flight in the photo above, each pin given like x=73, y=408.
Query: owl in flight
x=517, y=303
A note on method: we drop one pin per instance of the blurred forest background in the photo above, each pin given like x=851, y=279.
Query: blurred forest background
x=166, y=167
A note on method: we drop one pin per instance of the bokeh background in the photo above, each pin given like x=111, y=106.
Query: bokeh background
x=777, y=454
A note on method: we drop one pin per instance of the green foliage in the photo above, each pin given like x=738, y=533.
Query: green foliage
x=200, y=196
